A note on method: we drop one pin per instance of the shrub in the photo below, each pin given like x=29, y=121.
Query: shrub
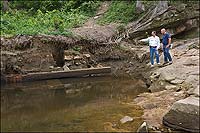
x=120, y=12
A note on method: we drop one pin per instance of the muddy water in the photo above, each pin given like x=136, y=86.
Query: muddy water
x=86, y=104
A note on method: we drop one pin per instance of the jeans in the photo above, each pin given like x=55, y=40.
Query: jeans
x=167, y=56
x=152, y=52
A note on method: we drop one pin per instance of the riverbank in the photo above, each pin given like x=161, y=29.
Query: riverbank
x=171, y=84
x=115, y=45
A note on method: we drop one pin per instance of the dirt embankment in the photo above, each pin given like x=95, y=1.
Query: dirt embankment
x=25, y=54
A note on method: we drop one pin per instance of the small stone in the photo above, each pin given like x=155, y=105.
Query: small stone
x=176, y=81
x=77, y=63
x=77, y=58
x=126, y=119
x=86, y=55
x=68, y=58
x=170, y=87
x=51, y=67
x=96, y=17
x=155, y=75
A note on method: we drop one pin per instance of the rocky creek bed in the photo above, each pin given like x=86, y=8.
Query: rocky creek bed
x=173, y=97
x=168, y=84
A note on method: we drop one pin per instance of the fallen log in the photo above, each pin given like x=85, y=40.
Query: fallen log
x=56, y=74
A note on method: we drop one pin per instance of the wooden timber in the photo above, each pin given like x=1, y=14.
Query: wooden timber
x=56, y=74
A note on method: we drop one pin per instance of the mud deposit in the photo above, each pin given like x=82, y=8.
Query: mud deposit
x=87, y=104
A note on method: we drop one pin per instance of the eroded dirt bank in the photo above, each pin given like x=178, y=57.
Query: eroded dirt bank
x=25, y=54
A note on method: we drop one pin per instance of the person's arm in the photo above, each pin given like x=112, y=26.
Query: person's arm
x=158, y=43
x=169, y=41
x=144, y=40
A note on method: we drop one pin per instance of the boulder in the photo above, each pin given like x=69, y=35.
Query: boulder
x=165, y=75
x=184, y=115
x=157, y=86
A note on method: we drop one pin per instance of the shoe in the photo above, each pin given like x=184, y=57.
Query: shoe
x=152, y=66
x=158, y=63
x=170, y=62
x=165, y=63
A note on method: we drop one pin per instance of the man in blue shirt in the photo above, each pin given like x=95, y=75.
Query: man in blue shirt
x=166, y=42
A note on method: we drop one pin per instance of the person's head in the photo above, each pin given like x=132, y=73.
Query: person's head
x=153, y=33
x=163, y=31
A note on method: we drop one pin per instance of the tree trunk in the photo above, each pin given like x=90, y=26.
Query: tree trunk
x=139, y=6
x=162, y=5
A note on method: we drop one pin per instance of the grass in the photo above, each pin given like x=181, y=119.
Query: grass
x=120, y=12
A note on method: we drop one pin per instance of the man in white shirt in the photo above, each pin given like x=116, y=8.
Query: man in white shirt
x=154, y=44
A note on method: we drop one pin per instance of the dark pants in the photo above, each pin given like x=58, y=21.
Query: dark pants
x=167, y=56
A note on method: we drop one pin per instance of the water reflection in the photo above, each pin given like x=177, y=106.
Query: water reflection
x=69, y=104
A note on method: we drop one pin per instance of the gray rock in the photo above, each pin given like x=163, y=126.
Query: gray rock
x=157, y=86
x=184, y=114
x=68, y=58
x=167, y=76
x=51, y=67
x=86, y=55
x=143, y=128
x=170, y=87
x=194, y=91
x=193, y=79
x=126, y=119
x=155, y=75
x=176, y=81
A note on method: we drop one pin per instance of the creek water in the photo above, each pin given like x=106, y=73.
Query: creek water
x=84, y=104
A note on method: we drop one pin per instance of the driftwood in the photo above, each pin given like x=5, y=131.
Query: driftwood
x=56, y=74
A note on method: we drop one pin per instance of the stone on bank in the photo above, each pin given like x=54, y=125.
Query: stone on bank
x=184, y=115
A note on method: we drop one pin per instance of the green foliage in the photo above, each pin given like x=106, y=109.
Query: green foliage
x=86, y=7
x=51, y=22
x=33, y=6
x=43, y=21
x=76, y=48
x=120, y=12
